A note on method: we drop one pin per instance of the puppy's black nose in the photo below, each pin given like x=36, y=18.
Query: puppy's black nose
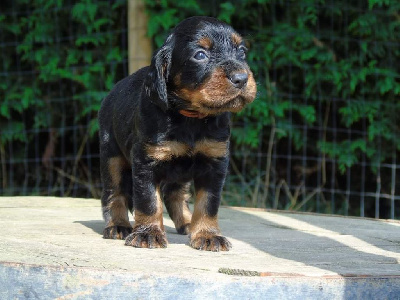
x=239, y=80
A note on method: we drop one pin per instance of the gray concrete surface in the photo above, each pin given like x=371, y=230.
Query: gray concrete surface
x=52, y=248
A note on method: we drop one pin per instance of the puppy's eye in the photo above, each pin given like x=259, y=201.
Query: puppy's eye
x=242, y=52
x=200, y=55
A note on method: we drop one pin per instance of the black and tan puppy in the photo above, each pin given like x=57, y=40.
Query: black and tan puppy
x=168, y=125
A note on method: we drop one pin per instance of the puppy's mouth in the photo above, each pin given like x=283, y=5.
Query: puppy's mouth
x=203, y=108
x=234, y=105
x=218, y=94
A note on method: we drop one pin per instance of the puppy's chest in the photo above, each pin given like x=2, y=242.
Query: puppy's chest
x=190, y=140
x=169, y=150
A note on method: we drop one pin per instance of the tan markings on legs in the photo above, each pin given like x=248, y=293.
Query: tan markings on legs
x=148, y=231
x=119, y=212
x=211, y=148
x=167, y=150
x=118, y=226
x=117, y=204
x=201, y=222
x=156, y=218
x=181, y=215
x=204, y=230
x=115, y=166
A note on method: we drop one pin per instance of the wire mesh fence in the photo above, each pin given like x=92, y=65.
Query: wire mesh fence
x=306, y=144
x=59, y=58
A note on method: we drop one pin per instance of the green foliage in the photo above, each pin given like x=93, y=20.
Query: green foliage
x=78, y=65
x=58, y=60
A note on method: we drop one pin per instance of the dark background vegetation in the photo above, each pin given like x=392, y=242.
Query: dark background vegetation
x=322, y=135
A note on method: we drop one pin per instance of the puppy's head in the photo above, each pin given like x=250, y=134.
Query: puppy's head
x=202, y=67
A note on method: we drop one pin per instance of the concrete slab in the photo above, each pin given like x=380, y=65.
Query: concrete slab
x=52, y=248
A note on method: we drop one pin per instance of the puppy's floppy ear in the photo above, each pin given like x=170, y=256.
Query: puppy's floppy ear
x=156, y=81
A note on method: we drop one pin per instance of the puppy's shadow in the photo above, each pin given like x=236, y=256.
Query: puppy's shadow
x=96, y=225
x=172, y=236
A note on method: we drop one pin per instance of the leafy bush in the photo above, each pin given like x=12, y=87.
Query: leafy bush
x=58, y=61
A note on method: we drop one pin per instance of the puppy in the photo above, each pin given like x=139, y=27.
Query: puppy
x=168, y=125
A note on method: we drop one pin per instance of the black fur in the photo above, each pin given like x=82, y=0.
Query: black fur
x=149, y=109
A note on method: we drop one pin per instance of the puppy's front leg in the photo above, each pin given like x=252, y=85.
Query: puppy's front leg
x=204, y=229
x=148, y=231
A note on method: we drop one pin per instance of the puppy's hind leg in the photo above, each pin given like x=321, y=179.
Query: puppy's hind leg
x=116, y=198
x=176, y=198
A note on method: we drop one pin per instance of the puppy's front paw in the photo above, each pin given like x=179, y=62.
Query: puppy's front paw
x=116, y=232
x=147, y=236
x=210, y=242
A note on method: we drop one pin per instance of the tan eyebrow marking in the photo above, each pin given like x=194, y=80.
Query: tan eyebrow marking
x=205, y=42
x=236, y=38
